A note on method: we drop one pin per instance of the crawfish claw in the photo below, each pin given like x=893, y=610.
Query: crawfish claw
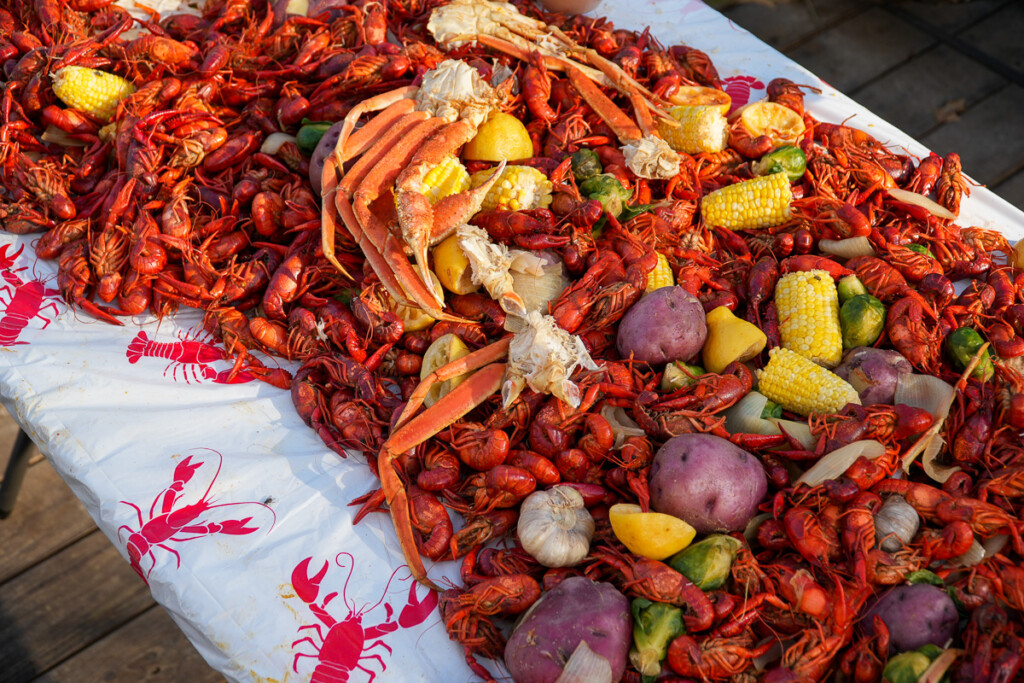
x=307, y=587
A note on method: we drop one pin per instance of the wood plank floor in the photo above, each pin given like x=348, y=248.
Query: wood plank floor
x=71, y=609
x=951, y=75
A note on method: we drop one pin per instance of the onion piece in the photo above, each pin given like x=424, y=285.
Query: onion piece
x=974, y=555
x=773, y=653
x=908, y=197
x=274, y=141
x=847, y=248
x=621, y=423
x=745, y=416
x=800, y=431
x=586, y=666
x=537, y=289
x=937, y=669
x=54, y=135
x=750, y=531
x=993, y=546
x=834, y=464
x=936, y=396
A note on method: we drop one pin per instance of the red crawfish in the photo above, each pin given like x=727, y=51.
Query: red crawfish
x=170, y=522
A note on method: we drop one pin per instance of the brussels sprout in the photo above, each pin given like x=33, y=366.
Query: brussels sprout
x=309, y=136
x=930, y=650
x=585, y=164
x=925, y=576
x=676, y=376
x=707, y=563
x=962, y=345
x=906, y=667
x=921, y=249
x=850, y=287
x=786, y=159
x=608, y=190
x=862, y=319
x=771, y=410
x=655, y=625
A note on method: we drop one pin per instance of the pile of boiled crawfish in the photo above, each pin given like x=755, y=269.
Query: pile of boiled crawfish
x=173, y=203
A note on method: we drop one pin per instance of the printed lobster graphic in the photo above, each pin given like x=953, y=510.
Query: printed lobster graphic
x=347, y=641
x=739, y=89
x=170, y=521
x=189, y=355
x=25, y=300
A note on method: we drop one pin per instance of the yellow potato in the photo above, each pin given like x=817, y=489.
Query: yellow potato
x=651, y=534
x=413, y=317
x=730, y=339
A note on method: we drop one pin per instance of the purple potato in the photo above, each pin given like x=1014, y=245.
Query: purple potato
x=320, y=154
x=873, y=373
x=915, y=615
x=577, y=609
x=666, y=325
x=708, y=482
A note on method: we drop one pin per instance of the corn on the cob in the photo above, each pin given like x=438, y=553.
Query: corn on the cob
x=758, y=203
x=447, y=178
x=808, y=306
x=661, y=276
x=702, y=128
x=91, y=91
x=803, y=387
x=518, y=188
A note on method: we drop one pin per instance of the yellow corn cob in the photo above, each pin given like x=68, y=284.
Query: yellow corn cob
x=808, y=308
x=803, y=387
x=518, y=188
x=447, y=178
x=758, y=203
x=702, y=128
x=661, y=276
x=91, y=91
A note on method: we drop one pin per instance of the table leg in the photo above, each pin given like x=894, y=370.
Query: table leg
x=15, y=473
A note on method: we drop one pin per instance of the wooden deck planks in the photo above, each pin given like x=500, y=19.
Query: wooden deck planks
x=930, y=89
x=46, y=519
x=63, y=604
x=147, y=649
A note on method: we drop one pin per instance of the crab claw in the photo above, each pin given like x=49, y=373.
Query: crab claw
x=307, y=587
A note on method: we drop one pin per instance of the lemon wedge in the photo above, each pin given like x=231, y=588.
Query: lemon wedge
x=651, y=534
x=502, y=137
x=452, y=267
x=783, y=125
x=444, y=350
x=699, y=95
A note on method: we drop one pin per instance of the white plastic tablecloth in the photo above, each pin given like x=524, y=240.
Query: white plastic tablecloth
x=222, y=492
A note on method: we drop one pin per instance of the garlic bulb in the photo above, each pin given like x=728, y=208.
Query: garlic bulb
x=896, y=524
x=555, y=528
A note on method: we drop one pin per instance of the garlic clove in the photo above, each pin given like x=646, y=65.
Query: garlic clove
x=896, y=524
x=554, y=527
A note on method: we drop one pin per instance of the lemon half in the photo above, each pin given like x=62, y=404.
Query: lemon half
x=502, y=137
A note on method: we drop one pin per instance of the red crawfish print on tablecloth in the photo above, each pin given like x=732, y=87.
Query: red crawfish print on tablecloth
x=172, y=519
x=26, y=300
x=191, y=357
x=739, y=89
x=347, y=641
